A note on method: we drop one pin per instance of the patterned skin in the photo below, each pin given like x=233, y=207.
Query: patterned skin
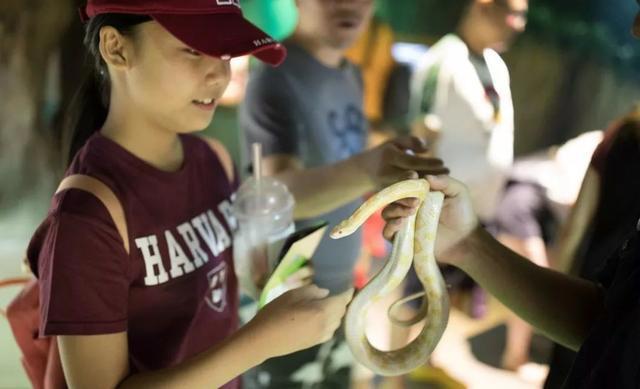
x=415, y=242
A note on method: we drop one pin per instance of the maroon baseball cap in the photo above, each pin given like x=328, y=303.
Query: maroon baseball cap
x=212, y=27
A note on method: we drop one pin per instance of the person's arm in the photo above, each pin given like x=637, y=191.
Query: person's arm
x=322, y=189
x=575, y=227
x=317, y=190
x=108, y=368
x=562, y=307
x=296, y=320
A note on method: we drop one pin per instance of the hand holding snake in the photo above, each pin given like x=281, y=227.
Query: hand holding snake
x=415, y=241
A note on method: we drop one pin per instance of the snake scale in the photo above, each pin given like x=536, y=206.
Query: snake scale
x=415, y=242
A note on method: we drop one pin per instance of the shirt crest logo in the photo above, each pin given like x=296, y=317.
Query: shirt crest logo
x=217, y=295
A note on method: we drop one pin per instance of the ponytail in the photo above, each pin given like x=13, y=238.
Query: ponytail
x=90, y=104
x=86, y=115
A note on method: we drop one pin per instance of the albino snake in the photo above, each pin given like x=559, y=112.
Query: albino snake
x=414, y=242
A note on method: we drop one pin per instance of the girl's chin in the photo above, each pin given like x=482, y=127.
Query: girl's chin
x=196, y=127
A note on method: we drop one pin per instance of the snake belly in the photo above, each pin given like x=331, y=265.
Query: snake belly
x=415, y=242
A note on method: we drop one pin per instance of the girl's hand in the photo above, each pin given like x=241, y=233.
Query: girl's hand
x=457, y=219
x=299, y=319
x=302, y=277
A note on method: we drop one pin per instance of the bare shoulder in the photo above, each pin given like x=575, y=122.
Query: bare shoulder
x=224, y=156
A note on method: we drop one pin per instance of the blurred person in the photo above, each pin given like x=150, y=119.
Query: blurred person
x=461, y=102
x=308, y=116
x=462, y=98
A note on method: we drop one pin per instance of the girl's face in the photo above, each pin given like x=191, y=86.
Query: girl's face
x=174, y=86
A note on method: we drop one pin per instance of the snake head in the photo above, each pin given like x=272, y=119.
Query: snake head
x=337, y=233
x=342, y=230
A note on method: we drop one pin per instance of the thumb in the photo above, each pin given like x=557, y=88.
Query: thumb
x=447, y=185
x=312, y=292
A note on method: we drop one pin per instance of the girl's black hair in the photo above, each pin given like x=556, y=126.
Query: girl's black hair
x=90, y=104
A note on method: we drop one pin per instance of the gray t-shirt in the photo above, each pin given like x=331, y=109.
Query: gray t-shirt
x=314, y=112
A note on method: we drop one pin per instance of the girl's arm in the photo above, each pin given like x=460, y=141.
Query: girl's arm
x=296, y=320
x=102, y=361
x=99, y=361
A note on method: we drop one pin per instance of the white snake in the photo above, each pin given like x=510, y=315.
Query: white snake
x=414, y=242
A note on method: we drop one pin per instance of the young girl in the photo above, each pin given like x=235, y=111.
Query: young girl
x=163, y=313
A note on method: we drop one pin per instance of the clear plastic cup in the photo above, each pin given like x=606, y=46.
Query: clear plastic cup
x=264, y=210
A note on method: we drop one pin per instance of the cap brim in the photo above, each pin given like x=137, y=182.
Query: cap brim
x=223, y=35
